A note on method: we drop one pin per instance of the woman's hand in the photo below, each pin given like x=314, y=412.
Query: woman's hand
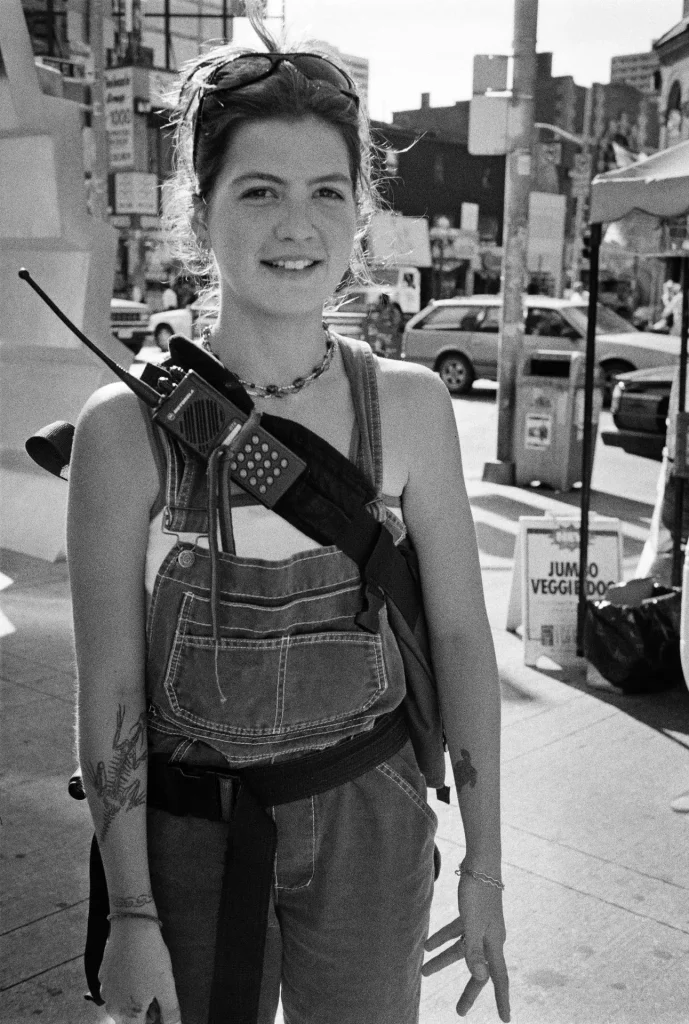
x=479, y=931
x=136, y=971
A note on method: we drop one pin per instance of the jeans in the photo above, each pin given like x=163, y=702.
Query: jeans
x=350, y=903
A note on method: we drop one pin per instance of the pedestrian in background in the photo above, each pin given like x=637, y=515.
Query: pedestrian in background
x=169, y=298
x=202, y=651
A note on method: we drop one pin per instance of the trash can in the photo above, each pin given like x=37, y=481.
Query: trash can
x=549, y=417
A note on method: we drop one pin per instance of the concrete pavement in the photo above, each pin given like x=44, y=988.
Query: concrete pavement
x=595, y=862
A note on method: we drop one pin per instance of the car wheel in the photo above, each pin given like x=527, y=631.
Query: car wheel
x=610, y=371
x=162, y=336
x=456, y=373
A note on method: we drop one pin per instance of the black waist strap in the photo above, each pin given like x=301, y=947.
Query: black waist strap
x=247, y=879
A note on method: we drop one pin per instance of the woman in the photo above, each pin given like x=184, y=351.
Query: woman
x=245, y=650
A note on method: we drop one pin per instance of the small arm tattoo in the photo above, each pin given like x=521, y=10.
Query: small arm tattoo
x=113, y=782
x=464, y=771
x=133, y=902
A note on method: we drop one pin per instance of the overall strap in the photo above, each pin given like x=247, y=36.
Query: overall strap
x=360, y=367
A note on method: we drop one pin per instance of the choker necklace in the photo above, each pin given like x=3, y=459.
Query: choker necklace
x=280, y=390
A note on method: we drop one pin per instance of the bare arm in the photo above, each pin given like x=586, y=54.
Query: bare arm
x=112, y=487
x=438, y=517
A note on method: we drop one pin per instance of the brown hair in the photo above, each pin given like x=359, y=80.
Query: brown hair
x=285, y=95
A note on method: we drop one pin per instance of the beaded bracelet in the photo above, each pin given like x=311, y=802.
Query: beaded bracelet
x=479, y=876
x=134, y=913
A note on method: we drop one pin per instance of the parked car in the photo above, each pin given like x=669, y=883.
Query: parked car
x=129, y=322
x=459, y=338
x=639, y=410
x=183, y=320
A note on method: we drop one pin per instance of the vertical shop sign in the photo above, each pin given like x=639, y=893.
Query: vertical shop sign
x=119, y=116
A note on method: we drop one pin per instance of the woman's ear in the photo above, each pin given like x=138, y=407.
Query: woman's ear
x=199, y=221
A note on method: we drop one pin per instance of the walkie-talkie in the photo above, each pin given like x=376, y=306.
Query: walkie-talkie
x=202, y=418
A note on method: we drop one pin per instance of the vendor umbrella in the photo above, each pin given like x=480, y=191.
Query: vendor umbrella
x=659, y=186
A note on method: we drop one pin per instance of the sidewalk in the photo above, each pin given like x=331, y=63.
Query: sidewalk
x=595, y=862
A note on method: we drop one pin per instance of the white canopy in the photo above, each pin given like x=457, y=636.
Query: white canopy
x=658, y=185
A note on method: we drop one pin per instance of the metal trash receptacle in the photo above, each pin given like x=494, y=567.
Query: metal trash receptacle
x=549, y=417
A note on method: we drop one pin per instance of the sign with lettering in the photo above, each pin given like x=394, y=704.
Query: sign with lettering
x=545, y=581
x=119, y=116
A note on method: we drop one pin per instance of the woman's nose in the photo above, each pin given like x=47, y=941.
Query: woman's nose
x=295, y=224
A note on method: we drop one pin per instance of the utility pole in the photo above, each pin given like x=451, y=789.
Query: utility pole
x=520, y=130
x=99, y=173
x=582, y=184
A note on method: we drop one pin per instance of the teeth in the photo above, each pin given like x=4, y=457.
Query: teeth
x=292, y=264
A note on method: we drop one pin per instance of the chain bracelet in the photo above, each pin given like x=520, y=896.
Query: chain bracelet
x=480, y=876
x=134, y=913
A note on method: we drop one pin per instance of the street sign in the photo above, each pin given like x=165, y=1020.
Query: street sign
x=545, y=581
x=488, y=124
x=136, y=192
x=119, y=115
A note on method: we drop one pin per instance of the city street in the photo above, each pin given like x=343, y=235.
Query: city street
x=595, y=865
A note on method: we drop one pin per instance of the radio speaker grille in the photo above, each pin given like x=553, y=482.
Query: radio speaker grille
x=201, y=423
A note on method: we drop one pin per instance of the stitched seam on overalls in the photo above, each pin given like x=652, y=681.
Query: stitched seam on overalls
x=281, y=684
x=390, y=773
x=304, y=885
x=315, y=595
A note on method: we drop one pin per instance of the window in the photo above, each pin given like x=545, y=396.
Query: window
x=452, y=318
x=548, y=323
x=490, y=321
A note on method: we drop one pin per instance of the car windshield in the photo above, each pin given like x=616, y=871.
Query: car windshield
x=383, y=275
x=607, y=322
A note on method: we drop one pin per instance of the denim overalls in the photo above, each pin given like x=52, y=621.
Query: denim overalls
x=266, y=664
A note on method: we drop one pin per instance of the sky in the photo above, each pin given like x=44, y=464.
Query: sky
x=417, y=46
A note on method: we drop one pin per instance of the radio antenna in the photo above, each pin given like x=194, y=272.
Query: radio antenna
x=143, y=391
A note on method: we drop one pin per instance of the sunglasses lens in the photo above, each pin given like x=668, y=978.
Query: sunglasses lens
x=241, y=71
x=318, y=69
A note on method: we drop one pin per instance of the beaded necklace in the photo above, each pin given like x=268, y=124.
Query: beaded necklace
x=280, y=390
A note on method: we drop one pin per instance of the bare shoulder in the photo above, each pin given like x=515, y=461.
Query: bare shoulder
x=111, y=445
x=415, y=404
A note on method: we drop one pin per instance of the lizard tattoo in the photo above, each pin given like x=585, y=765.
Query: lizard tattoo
x=113, y=783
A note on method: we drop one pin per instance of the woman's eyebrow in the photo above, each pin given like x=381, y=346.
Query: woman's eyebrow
x=343, y=179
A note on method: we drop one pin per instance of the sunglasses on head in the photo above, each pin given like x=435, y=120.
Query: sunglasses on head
x=250, y=68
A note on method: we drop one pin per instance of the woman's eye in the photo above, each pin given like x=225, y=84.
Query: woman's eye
x=260, y=192
x=329, y=193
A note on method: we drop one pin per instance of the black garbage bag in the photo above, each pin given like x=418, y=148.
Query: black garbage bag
x=635, y=645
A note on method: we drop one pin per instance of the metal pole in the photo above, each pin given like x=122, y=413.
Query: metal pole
x=587, y=453
x=515, y=232
x=166, y=16
x=579, y=216
x=99, y=178
x=678, y=481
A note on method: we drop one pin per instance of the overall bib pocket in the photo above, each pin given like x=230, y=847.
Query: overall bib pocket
x=294, y=684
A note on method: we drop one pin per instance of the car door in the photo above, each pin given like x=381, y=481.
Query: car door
x=443, y=328
x=546, y=328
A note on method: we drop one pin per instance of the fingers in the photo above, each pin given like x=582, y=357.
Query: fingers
x=449, y=931
x=444, y=959
x=468, y=996
x=169, y=1013
x=501, y=984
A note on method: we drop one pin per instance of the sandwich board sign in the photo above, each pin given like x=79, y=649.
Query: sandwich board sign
x=545, y=581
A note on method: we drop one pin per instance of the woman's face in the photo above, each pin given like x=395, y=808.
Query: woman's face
x=282, y=216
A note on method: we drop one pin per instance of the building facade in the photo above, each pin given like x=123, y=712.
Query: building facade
x=637, y=69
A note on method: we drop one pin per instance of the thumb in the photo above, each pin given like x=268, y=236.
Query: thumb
x=476, y=962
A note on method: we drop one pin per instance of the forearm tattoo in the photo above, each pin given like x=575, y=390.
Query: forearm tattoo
x=132, y=902
x=113, y=782
x=465, y=773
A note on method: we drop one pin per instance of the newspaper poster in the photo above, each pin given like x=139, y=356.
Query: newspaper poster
x=545, y=581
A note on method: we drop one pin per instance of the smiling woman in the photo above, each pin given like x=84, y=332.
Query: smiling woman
x=254, y=739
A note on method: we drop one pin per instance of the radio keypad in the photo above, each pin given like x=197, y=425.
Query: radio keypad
x=264, y=467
